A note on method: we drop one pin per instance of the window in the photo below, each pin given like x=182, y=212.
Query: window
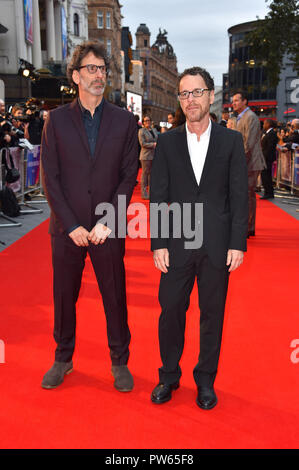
x=76, y=25
x=108, y=20
x=100, y=20
x=108, y=47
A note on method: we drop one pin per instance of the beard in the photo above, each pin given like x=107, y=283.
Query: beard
x=196, y=112
x=96, y=87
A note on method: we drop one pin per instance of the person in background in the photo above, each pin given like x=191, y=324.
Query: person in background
x=293, y=137
x=231, y=123
x=170, y=119
x=249, y=126
x=2, y=110
x=148, y=139
x=224, y=119
x=281, y=134
x=179, y=118
x=269, y=142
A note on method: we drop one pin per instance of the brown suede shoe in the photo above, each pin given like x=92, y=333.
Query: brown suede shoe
x=123, y=378
x=55, y=375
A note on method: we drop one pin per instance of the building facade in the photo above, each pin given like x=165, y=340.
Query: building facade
x=245, y=74
x=216, y=107
x=159, y=74
x=287, y=93
x=41, y=35
x=104, y=25
x=133, y=68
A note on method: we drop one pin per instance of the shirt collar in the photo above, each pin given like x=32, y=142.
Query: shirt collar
x=86, y=111
x=206, y=133
x=243, y=112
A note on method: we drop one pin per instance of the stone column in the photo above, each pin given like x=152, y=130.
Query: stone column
x=58, y=38
x=50, y=27
x=36, y=46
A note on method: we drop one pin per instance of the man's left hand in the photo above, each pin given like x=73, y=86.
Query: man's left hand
x=234, y=259
x=98, y=234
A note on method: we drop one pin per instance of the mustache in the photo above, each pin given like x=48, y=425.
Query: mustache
x=192, y=107
x=98, y=82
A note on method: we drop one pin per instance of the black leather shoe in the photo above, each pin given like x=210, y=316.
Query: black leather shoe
x=162, y=392
x=206, y=398
x=267, y=196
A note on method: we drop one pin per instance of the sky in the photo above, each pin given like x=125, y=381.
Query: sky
x=197, y=29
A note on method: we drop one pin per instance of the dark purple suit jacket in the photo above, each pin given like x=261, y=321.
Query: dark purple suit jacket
x=74, y=181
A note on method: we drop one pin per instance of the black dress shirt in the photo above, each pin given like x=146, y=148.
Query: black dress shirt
x=92, y=124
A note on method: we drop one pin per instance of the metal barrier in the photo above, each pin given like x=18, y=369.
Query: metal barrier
x=11, y=222
x=287, y=171
x=29, y=186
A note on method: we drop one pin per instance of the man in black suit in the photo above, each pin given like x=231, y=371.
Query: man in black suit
x=268, y=144
x=89, y=157
x=224, y=119
x=198, y=164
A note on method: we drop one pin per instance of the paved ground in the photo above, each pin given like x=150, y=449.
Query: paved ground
x=29, y=221
x=9, y=235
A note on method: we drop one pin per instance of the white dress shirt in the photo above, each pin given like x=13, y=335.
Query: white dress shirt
x=198, y=149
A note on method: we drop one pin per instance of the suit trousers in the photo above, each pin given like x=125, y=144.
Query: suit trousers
x=174, y=297
x=252, y=181
x=266, y=176
x=68, y=263
x=146, y=166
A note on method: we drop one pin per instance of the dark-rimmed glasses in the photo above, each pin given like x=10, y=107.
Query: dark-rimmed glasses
x=196, y=93
x=92, y=68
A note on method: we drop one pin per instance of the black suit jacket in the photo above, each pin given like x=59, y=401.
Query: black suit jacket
x=74, y=181
x=268, y=144
x=223, y=190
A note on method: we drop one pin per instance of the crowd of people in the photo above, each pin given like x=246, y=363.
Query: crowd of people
x=21, y=121
x=282, y=136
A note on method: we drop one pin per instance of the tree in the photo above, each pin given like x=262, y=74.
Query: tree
x=275, y=37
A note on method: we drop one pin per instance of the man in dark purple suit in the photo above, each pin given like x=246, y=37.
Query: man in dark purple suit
x=89, y=157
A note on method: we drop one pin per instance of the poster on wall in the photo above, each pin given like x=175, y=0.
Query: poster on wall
x=63, y=33
x=134, y=104
x=28, y=21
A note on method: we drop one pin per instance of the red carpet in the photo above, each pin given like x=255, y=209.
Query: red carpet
x=257, y=384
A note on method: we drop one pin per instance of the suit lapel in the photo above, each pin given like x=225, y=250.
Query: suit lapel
x=212, y=149
x=184, y=151
x=76, y=116
x=107, y=115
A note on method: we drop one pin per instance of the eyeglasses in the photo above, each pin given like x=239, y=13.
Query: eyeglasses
x=197, y=93
x=146, y=120
x=92, y=68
